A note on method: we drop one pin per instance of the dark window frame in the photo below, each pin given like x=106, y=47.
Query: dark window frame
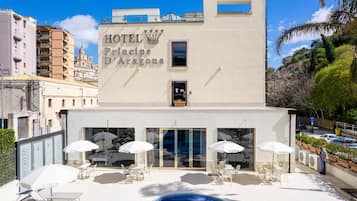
x=178, y=95
x=50, y=102
x=174, y=54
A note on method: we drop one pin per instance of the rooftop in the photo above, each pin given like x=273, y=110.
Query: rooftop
x=46, y=79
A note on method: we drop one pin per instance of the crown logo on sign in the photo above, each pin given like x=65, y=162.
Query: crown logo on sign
x=152, y=36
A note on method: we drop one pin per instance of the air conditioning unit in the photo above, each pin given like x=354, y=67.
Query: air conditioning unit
x=303, y=157
x=314, y=162
x=297, y=150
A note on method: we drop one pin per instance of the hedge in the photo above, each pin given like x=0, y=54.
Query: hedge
x=7, y=156
x=7, y=140
x=342, y=152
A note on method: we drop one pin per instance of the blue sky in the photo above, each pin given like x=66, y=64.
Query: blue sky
x=81, y=17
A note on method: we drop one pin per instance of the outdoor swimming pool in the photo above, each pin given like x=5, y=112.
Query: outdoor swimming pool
x=188, y=197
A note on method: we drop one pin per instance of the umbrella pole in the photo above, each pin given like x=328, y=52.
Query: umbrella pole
x=272, y=166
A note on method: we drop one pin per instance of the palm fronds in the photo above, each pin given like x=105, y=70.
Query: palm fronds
x=300, y=30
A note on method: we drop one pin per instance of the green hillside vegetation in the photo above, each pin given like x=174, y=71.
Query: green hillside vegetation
x=334, y=90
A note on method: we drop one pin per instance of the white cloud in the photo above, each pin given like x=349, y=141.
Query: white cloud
x=83, y=27
x=281, y=26
x=293, y=50
x=321, y=15
x=269, y=42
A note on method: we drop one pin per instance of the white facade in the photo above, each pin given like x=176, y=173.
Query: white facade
x=181, y=83
x=32, y=104
x=17, y=44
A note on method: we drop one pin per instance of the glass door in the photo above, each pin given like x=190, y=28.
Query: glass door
x=199, y=148
x=168, y=148
x=177, y=148
x=183, y=148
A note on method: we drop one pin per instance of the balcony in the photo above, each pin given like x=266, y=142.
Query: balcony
x=44, y=37
x=44, y=54
x=66, y=49
x=44, y=45
x=168, y=18
x=44, y=63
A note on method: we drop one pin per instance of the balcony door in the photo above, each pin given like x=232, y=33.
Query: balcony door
x=179, y=93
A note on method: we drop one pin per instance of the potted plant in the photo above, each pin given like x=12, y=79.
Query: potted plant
x=179, y=103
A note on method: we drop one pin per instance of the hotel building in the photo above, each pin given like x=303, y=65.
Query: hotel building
x=55, y=53
x=17, y=44
x=182, y=83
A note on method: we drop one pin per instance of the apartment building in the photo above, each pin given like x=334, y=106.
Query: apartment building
x=32, y=103
x=55, y=53
x=17, y=44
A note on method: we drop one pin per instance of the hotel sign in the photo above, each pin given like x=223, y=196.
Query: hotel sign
x=132, y=49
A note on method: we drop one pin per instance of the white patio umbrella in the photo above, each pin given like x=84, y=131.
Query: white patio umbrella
x=226, y=147
x=80, y=146
x=104, y=136
x=276, y=148
x=135, y=147
x=49, y=176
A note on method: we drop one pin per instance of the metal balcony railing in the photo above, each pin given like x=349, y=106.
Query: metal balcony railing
x=168, y=18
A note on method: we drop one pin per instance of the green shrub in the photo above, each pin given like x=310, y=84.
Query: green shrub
x=7, y=140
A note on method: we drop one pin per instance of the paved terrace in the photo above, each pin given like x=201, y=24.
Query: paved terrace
x=109, y=185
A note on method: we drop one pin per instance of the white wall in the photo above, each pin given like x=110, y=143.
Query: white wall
x=269, y=124
x=226, y=61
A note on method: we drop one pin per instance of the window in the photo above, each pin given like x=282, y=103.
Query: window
x=63, y=102
x=50, y=123
x=118, y=136
x=243, y=137
x=50, y=102
x=179, y=95
x=234, y=8
x=73, y=102
x=24, y=24
x=24, y=64
x=84, y=101
x=91, y=101
x=179, y=54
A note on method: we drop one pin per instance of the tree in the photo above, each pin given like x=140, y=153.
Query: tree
x=329, y=49
x=334, y=92
x=345, y=14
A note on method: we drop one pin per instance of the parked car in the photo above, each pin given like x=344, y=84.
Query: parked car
x=344, y=141
x=328, y=137
x=352, y=145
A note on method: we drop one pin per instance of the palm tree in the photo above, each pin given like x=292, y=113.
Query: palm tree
x=345, y=13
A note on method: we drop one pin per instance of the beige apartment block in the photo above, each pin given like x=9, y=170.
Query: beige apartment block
x=33, y=102
x=17, y=44
x=182, y=83
x=55, y=53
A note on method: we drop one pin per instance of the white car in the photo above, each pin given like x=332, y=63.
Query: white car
x=328, y=137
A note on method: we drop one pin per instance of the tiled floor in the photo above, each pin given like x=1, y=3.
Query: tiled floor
x=110, y=185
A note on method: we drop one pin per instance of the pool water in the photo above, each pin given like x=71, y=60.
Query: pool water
x=188, y=197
